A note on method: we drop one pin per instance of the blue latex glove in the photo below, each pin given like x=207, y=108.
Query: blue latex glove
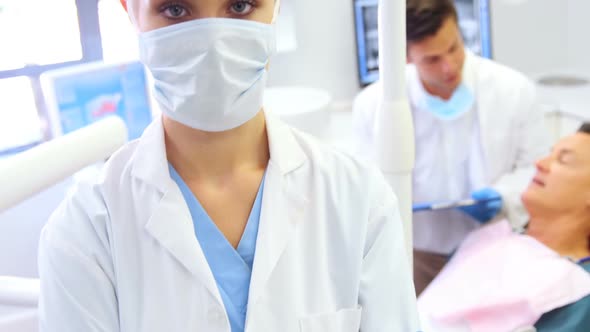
x=489, y=206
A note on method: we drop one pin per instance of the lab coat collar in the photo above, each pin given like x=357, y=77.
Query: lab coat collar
x=469, y=78
x=283, y=204
x=151, y=164
x=285, y=152
x=170, y=222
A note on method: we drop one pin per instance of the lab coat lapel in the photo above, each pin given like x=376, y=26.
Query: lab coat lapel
x=482, y=108
x=480, y=170
x=171, y=225
x=170, y=222
x=283, y=204
x=281, y=212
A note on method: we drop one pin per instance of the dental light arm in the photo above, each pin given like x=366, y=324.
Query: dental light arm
x=394, y=126
x=34, y=170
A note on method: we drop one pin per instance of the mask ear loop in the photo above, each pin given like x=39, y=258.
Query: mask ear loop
x=275, y=15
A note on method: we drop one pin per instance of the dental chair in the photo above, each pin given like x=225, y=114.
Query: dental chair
x=25, y=174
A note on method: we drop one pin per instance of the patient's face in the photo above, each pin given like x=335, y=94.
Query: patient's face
x=562, y=182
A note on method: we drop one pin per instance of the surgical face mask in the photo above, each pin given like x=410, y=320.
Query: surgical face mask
x=209, y=74
x=460, y=103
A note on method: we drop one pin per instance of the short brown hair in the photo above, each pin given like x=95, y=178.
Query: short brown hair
x=585, y=128
x=425, y=17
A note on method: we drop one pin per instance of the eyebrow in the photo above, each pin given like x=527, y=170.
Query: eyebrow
x=434, y=56
x=559, y=149
x=431, y=57
x=565, y=152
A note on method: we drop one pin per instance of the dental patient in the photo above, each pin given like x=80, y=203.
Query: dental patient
x=501, y=280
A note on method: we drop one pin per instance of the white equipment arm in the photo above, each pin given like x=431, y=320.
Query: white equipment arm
x=34, y=170
x=394, y=125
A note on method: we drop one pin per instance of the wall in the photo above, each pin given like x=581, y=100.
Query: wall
x=530, y=35
x=578, y=25
x=536, y=36
x=326, y=50
x=551, y=37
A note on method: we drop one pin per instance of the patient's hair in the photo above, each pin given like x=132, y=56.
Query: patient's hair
x=425, y=17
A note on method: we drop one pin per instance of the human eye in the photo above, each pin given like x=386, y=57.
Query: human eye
x=565, y=157
x=453, y=48
x=242, y=7
x=431, y=60
x=174, y=11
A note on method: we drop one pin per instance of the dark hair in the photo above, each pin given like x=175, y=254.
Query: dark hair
x=585, y=128
x=425, y=17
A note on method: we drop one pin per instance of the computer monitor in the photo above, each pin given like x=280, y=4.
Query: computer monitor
x=80, y=95
x=367, y=39
x=474, y=22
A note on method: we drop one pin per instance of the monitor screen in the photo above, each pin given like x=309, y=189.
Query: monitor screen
x=81, y=95
x=367, y=39
x=474, y=22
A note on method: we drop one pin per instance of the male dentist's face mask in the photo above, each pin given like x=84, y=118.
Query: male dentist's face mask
x=460, y=103
x=209, y=74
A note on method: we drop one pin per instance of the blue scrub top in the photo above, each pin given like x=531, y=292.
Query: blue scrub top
x=231, y=268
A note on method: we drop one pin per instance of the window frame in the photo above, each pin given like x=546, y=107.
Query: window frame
x=91, y=44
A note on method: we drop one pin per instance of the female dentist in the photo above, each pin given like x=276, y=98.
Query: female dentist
x=222, y=218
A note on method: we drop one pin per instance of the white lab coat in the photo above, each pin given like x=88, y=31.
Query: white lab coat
x=511, y=132
x=121, y=254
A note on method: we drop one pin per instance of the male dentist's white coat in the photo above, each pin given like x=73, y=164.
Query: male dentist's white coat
x=511, y=134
